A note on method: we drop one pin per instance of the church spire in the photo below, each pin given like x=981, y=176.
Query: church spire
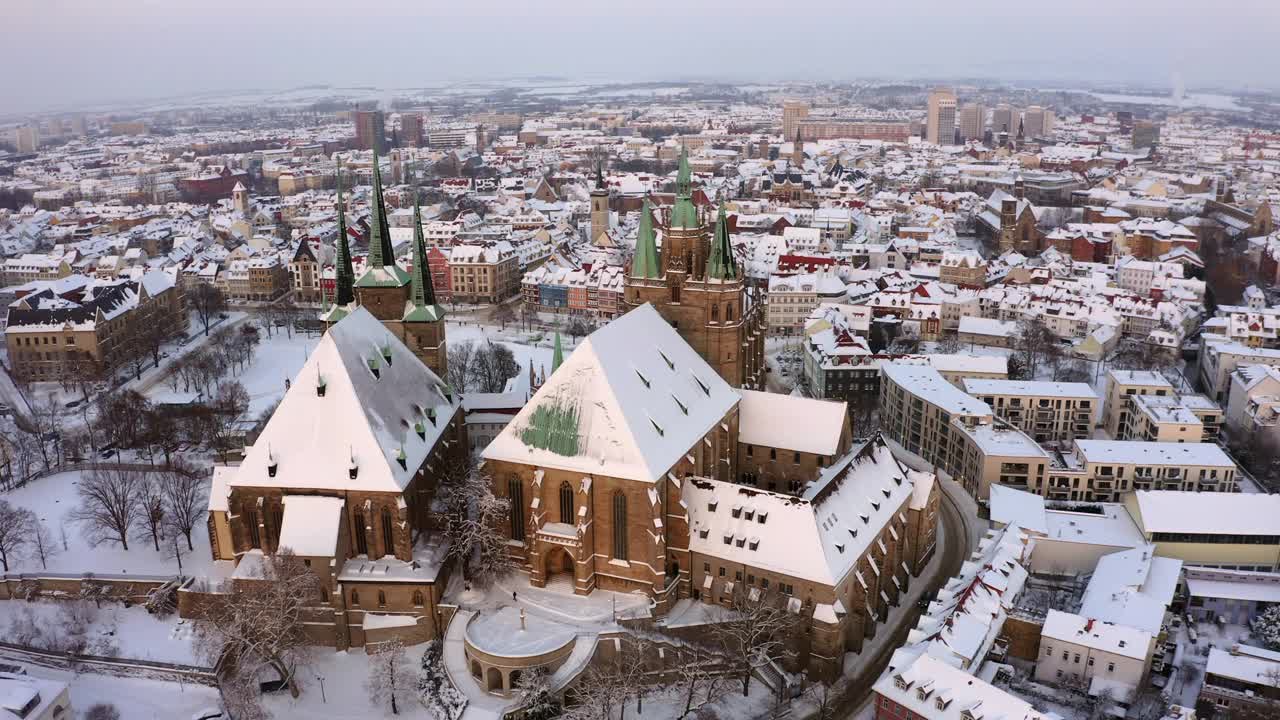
x=343, y=274
x=721, y=266
x=381, y=253
x=557, y=354
x=421, y=291
x=683, y=213
x=645, y=263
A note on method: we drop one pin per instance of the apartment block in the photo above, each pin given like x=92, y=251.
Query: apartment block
x=1047, y=411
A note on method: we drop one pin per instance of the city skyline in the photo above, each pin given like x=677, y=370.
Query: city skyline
x=245, y=46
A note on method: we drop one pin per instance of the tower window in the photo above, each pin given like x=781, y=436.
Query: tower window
x=620, y=526
x=566, y=503
x=362, y=545
x=515, y=493
x=388, y=537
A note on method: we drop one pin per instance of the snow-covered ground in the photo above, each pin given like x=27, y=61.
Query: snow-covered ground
x=343, y=676
x=52, y=498
x=135, y=633
x=277, y=359
x=135, y=698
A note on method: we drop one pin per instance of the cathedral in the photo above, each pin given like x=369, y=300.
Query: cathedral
x=698, y=286
x=405, y=302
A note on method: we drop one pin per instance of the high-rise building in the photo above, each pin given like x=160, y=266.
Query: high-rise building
x=1145, y=134
x=411, y=129
x=26, y=138
x=1005, y=119
x=793, y=111
x=973, y=120
x=1037, y=122
x=371, y=130
x=940, y=126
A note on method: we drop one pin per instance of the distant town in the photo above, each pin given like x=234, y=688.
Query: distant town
x=891, y=401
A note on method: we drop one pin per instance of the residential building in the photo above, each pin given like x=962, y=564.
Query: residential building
x=29, y=698
x=92, y=330
x=1047, y=411
x=931, y=689
x=1094, y=655
x=973, y=121
x=371, y=130
x=1240, y=681
x=1122, y=385
x=1234, y=597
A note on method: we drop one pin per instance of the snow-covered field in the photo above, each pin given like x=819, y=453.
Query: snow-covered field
x=343, y=675
x=277, y=359
x=53, y=497
x=135, y=633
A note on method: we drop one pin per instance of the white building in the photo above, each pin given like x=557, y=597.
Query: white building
x=1097, y=655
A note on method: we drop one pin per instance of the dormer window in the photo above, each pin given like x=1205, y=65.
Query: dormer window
x=668, y=360
x=737, y=511
x=420, y=429
x=703, y=533
x=402, y=460
x=764, y=515
x=712, y=505
x=740, y=541
x=728, y=539
x=374, y=367
x=386, y=353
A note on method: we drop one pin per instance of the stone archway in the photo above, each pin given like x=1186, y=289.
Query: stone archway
x=558, y=563
x=493, y=680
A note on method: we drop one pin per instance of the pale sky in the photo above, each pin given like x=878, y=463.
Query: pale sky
x=58, y=53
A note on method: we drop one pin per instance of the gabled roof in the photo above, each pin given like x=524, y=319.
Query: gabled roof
x=363, y=420
x=629, y=402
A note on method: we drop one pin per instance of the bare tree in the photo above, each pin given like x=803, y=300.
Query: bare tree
x=229, y=407
x=504, y=314
x=102, y=711
x=535, y=700
x=109, y=504
x=207, y=301
x=46, y=425
x=43, y=544
x=461, y=356
x=1036, y=344
x=185, y=499
x=262, y=622
x=472, y=518
x=391, y=677
x=151, y=508
x=697, y=677
x=596, y=693
x=578, y=327
x=754, y=631
x=949, y=344
x=491, y=367
x=15, y=532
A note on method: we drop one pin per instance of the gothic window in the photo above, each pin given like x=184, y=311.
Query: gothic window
x=251, y=519
x=355, y=598
x=675, y=293
x=388, y=537
x=515, y=493
x=382, y=598
x=728, y=312
x=277, y=521
x=620, y=526
x=715, y=313
x=417, y=598
x=566, y=503
x=362, y=547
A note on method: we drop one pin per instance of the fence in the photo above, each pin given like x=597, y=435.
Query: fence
x=116, y=667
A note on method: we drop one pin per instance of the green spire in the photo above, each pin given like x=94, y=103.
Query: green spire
x=344, y=275
x=684, y=176
x=683, y=212
x=422, y=294
x=381, y=253
x=645, y=264
x=557, y=354
x=720, y=266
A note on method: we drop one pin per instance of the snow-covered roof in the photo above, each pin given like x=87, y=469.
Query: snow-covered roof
x=1018, y=507
x=310, y=524
x=926, y=382
x=1153, y=453
x=629, y=402
x=1208, y=513
x=926, y=681
x=1036, y=388
x=1092, y=633
x=1246, y=663
x=819, y=536
x=1133, y=588
x=379, y=416
x=1233, y=584
x=790, y=423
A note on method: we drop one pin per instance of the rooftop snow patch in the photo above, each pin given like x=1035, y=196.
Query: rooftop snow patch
x=790, y=423
x=362, y=414
x=629, y=402
x=310, y=524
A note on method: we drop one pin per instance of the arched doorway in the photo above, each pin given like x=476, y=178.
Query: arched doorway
x=559, y=566
x=493, y=680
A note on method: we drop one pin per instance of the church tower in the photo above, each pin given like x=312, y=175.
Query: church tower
x=599, y=211
x=240, y=199
x=698, y=286
x=404, y=302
